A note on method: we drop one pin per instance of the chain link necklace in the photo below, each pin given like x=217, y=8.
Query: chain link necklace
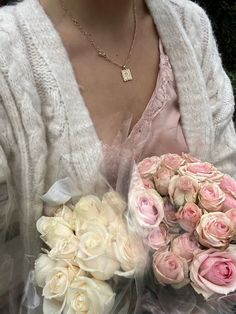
x=125, y=71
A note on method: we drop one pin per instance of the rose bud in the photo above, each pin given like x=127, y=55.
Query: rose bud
x=183, y=189
x=168, y=167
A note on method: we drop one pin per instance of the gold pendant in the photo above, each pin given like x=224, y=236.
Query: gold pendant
x=126, y=75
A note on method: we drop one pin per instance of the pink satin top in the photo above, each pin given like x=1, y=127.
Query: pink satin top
x=159, y=130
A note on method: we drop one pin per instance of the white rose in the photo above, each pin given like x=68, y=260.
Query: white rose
x=67, y=214
x=58, y=281
x=107, y=215
x=96, y=254
x=112, y=209
x=65, y=249
x=131, y=255
x=117, y=228
x=43, y=265
x=88, y=207
x=53, y=229
x=114, y=200
x=57, y=284
x=89, y=296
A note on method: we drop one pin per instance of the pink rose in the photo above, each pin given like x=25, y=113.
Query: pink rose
x=146, y=208
x=148, y=166
x=231, y=214
x=148, y=183
x=170, y=163
x=185, y=246
x=170, y=269
x=211, y=197
x=215, y=230
x=183, y=189
x=201, y=171
x=190, y=159
x=228, y=185
x=229, y=203
x=170, y=216
x=162, y=180
x=158, y=237
x=214, y=271
x=189, y=216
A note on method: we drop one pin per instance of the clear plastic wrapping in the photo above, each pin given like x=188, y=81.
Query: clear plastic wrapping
x=90, y=258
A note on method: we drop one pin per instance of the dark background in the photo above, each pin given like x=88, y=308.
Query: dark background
x=223, y=17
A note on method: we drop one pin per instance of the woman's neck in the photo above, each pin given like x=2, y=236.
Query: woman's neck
x=102, y=12
x=109, y=15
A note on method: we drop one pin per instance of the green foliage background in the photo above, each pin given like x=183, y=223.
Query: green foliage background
x=223, y=17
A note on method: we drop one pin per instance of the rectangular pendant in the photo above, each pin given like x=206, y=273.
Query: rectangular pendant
x=126, y=75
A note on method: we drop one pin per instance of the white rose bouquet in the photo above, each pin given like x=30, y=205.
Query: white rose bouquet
x=89, y=249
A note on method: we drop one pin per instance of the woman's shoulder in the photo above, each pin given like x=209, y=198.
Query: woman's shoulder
x=189, y=11
x=15, y=67
x=11, y=37
x=196, y=25
x=9, y=28
x=187, y=5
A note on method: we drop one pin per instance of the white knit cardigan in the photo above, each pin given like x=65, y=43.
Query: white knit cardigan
x=44, y=122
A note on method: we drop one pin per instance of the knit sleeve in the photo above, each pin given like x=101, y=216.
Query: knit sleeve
x=221, y=100
x=6, y=195
x=6, y=191
x=4, y=176
x=10, y=238
x=11, y=255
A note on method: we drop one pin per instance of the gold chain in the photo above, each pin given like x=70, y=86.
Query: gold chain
x=100, y=51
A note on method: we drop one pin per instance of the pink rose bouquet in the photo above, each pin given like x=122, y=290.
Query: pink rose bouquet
x=186, y=214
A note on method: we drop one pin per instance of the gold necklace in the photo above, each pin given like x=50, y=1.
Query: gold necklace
x=125, y=72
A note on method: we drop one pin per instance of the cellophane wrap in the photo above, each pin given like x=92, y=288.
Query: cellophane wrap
x=12, y=257
x=91, y=259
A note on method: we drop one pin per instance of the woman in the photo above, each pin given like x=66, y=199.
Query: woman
x=71, y=72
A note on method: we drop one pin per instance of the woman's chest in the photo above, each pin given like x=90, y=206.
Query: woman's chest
x=108, y=98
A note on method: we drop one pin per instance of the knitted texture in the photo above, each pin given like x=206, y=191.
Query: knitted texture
x=45, y=125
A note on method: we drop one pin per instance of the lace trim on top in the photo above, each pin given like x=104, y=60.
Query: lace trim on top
x=158, y=101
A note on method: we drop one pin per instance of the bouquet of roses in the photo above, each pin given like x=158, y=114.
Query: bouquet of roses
x=185, y=211
x=89, y=249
